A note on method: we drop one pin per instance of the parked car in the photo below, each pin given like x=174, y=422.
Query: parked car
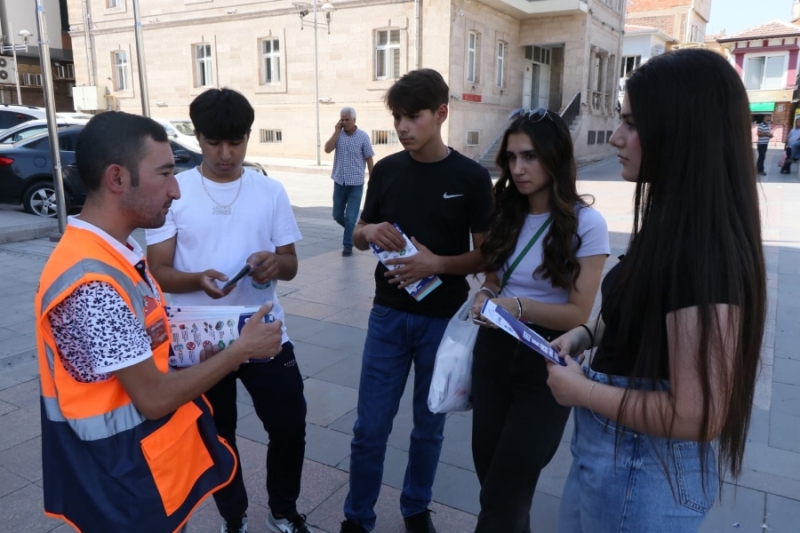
x=180, y=129
x=188, y=155
x=35, y=127
x=26, y=171
x=13, y=115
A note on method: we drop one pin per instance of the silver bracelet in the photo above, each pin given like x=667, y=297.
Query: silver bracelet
x=519, y=308
x=490, y=291
x=589, y=397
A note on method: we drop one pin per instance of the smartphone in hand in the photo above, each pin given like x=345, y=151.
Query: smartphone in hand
x=239, y=275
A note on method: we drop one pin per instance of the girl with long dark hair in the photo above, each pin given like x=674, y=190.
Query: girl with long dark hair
x=679, y=333
x=544, y=258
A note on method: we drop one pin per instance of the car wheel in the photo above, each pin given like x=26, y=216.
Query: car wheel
x=40, y=199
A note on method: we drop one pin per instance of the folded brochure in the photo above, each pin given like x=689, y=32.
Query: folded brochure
x=503, y=320
x=195, y=327
x=419, y=289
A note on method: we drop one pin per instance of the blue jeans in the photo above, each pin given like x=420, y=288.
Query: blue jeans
x=617, y=483
x=346, y=203
x=395, y=339
x=795, y=146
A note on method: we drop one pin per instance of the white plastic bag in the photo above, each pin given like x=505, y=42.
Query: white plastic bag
x=451, y=384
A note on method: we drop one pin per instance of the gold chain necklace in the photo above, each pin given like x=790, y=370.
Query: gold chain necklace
x=219, y=209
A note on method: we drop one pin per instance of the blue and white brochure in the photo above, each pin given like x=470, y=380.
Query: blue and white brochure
x=419, y=289
x=503, y=320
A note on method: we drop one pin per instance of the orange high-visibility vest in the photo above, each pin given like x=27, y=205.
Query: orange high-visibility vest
x=105, y=466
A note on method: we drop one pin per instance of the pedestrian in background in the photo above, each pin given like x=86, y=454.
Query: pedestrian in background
x=353, y=150
x=764, y=134
x=679, y=333
x=127, y=445
x=544, y=258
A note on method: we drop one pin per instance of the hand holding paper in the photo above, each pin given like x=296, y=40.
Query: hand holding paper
x=503, y=320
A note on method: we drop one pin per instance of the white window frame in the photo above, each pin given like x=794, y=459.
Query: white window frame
x=270, y=136
x=121, y=77
x=271, y=61
x=203, y=65
x=765, y=57
x=390, y=52
x=624, y=72
x=473, y=56
x=500, y=77
x=381, y=137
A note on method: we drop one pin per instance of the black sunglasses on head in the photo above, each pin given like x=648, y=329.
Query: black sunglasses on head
x=534, y=115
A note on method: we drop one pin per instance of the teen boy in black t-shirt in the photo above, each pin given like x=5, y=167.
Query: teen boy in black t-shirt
x=438, y=198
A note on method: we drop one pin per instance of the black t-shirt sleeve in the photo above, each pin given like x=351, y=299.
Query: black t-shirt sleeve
x=371, y=212
x=480, y=203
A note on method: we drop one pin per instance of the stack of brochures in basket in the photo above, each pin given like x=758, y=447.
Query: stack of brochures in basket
x=195, y=327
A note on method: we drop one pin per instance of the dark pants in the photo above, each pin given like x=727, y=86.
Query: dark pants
x=787, y=165
x=762, y=153
x=276, y=388
x=516, y=428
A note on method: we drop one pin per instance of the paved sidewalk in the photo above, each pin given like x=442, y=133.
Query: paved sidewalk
x=327, y=307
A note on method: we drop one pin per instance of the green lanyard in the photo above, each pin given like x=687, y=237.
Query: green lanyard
x=507, y=274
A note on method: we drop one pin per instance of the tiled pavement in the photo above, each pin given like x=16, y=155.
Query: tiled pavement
x=327, y=307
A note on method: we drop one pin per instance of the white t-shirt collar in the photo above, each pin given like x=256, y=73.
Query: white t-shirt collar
x=134, y=254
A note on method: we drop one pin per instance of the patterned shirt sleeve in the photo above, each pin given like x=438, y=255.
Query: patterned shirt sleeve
x=97, y=333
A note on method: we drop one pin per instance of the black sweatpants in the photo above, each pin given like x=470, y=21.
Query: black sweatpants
x=516, y=428
x=276, y=388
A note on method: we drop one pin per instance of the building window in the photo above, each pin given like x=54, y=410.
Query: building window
x=384, y=137
x=113, y=3
x=120, y=60
x=629, y=64
x=31, y=79
x=473, y=56
x=202, y=65
x=473, y=137
x=271, y=136
x=64, y=71
x=270, y=61
x=765, y=72
x=501, y=61
x=387, y=54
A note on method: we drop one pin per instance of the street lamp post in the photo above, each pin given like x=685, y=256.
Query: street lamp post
x=137, y=23
x=303, y=10
x=13, y=47
x=50, y=107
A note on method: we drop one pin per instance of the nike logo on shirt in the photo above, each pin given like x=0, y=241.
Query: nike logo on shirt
x=446, y=196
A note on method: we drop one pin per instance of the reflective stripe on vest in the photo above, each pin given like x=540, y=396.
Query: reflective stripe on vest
x=125, y=417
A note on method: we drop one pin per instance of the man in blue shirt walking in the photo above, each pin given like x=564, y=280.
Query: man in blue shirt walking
x=353, y=150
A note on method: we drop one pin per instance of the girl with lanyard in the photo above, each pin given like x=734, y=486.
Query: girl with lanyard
x=544, y=258
x=680, y=328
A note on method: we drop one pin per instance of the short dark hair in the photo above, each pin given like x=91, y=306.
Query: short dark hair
x=114, y=138
x=417, y=90
x=222, y=115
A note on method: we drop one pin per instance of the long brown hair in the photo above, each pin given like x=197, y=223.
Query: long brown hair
x=552, y=144
x=696, y=232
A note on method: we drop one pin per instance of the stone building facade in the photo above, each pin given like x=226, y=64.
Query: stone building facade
x=496, y=55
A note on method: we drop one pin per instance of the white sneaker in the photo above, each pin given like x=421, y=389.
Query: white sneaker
x=237, y=526
x=289, y=524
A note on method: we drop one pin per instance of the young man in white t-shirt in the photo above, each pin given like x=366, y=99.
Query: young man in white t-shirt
x=228, y=216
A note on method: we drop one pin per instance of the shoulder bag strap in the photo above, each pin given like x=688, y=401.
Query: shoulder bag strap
x=507, y=274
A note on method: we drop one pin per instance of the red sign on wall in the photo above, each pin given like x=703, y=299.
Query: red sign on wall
x=471, y=97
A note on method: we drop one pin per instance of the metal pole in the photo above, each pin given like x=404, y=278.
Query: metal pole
x=50, y=105
x=316, y=78
x=16, y=65
x=140, y=59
